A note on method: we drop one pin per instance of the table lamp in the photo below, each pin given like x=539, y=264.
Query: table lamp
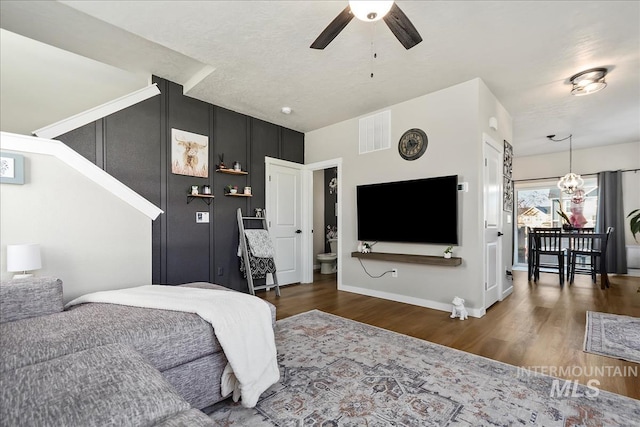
x=23, y=258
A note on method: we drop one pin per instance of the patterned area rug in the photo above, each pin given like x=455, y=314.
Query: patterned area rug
x=337, y=372
x=613, y=335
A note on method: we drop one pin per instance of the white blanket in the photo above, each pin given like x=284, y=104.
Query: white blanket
x=241, y=322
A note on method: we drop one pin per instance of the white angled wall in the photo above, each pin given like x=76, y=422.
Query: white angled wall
x=90, y=239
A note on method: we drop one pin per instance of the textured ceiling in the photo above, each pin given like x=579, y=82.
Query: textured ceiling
x=254, y=57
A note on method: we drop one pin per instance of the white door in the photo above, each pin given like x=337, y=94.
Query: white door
x=492, y=220
x=283, y=213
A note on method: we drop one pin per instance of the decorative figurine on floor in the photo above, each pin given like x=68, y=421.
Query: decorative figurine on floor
x=458, y=309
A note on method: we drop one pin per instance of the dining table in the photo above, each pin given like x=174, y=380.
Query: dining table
x=598, y=240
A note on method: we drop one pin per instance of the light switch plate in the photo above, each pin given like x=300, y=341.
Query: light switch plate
x=202, y=217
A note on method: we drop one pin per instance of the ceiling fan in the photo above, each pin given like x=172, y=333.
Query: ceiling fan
x=370, y=11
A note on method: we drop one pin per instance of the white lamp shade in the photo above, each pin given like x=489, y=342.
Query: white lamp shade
x=24, y=257
x=370, y=10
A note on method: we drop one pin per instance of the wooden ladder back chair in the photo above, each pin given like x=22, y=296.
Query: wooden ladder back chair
x=531, y=250
x=590, y=247
x=548, y=241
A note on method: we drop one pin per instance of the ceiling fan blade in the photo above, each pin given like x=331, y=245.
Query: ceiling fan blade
x=333, y=29
x=401, y=27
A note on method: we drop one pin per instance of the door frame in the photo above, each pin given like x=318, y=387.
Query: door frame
x=487, y=140
x=306, y=209
x=307, y=216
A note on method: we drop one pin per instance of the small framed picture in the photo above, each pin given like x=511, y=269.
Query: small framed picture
x=11, y=168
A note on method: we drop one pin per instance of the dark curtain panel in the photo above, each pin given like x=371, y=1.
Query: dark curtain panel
x=611, y=214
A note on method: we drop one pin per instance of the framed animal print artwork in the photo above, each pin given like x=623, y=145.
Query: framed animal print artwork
x=189, y=154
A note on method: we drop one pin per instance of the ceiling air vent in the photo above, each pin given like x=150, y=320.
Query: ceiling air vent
x=375, y=132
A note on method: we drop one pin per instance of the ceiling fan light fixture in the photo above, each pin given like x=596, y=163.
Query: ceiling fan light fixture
x=588, y=82
x=370, y=11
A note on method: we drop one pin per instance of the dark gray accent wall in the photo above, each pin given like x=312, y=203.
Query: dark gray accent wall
x=134, y=145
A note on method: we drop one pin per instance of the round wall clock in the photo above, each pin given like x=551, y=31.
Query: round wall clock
x=412, y=144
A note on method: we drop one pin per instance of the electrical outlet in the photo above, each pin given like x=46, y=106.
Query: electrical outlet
x=394, y=272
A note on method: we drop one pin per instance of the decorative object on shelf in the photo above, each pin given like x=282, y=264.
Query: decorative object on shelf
x=247, y=190
x=634, y=222
x=236, y=166
x=206, y=189
x=194, y=190
x=588, y=82
x=366, y=247
x=23, y=258
x=221, y=165
x=448, y=252
x=189, y=154
x=571, y=181
x=413, y=144
x=458, y=309
x=11, y=168
x=232, y=189
x=259, y=212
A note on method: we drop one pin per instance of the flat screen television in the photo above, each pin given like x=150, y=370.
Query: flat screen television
x=416, y=211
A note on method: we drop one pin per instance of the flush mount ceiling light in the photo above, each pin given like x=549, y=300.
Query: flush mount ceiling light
x=571, y=181
x=285, y=110
x=588, y=82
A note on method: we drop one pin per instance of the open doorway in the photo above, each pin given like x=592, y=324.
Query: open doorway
x=324, y=218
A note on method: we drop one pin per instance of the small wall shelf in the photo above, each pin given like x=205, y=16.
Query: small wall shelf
x=239, y=195
x=207, y=198
x=413, y=259
x=232, y=172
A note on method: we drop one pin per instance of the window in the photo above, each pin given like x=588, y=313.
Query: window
x=537, y=206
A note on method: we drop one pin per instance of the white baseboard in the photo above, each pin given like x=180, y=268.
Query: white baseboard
x=474, y=312
x=507, y=292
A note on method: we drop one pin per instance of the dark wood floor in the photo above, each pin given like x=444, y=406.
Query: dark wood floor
x=539, y=325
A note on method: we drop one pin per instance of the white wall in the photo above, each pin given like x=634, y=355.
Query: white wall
x=89, y=238
x=590, y=161
x=454, y=129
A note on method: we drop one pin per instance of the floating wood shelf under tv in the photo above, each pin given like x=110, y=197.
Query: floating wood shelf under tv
x=414, y=259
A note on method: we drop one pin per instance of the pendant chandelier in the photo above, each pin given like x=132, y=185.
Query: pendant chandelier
x=571, y=181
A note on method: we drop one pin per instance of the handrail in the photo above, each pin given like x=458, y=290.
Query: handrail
x=58, y=149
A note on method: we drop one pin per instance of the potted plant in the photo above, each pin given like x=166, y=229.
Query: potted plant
x=566, y=221
x=232, y=189
x=448, y=252
x=634, y=222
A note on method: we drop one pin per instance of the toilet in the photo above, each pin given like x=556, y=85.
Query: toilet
x=329, y=262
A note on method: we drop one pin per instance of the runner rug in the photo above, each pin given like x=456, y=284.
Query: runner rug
x=613, y=335
x=337, y=372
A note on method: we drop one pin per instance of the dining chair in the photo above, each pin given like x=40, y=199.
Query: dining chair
x=548, y=241
x=587, y=247
x=531, y=247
